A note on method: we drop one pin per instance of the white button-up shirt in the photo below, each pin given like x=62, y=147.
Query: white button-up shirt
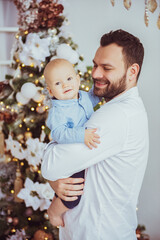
x=114, y=171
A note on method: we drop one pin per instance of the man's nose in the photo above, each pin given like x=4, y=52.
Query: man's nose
x=97, y=73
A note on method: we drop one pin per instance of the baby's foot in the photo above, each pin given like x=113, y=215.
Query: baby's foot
x=57, y=221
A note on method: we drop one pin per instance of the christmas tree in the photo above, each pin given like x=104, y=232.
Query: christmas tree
x=24, y=194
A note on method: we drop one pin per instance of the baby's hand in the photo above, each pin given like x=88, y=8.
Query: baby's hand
x=91, y=138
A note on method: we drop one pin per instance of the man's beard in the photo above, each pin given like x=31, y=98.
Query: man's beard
x=112, y=89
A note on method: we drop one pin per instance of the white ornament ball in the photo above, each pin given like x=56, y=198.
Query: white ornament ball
x=29, y=90
x=63, y=51
x=74, y=57
x=38, y=97
x=21, y=99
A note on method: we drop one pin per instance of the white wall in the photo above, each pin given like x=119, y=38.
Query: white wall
x=89, y=19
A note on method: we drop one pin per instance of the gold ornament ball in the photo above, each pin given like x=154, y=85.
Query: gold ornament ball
x=41, y=235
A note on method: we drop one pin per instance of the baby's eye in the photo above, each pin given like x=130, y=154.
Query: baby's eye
x=57, y=83
x=69, y=79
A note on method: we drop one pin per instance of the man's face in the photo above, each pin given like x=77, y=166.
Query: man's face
x=109, y=72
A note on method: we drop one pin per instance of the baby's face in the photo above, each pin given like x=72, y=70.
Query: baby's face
x=63, y=83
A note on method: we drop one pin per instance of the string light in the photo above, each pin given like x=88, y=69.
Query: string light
x=23, y=65
x=39, y=171
x=87, y=88
x=32, y=120
x=24, y=120
x=46, y=107
x=17, y=36
x=29, y=218
x=15, y=160
x=32, y=109
x=28, y=129
x=13, y=230
x=82, y=86
x=26, y=32
x=43, y=127
x=22, y=163
x=31, y=75
x=12, y=191
x=45, y=228
x=32, y=65
x=36, y=81
x=20, y=125
x=39, y=104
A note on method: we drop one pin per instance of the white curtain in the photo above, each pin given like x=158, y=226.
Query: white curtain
x=8, y=18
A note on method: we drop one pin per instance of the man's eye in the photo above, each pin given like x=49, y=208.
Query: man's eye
x=107, y=69
x=69, y=79
x=57, y=83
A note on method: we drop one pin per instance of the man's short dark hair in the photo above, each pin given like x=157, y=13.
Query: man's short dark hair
x=133, y=51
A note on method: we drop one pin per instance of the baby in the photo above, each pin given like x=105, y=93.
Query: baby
x=71, y=108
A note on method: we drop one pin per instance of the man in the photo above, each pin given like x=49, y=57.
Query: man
x=115, y=169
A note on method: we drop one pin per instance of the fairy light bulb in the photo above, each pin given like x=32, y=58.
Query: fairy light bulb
x=32, y=109
x=43, y=127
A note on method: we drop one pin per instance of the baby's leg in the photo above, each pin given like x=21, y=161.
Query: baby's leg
x=56, y=211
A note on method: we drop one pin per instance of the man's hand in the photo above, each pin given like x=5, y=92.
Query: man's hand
x=91, y=138
x=68, y=189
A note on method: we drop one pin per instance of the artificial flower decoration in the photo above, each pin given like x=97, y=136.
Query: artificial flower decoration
x=34, y=50
x=15, y=147
x=42, y=191
x=34, y=151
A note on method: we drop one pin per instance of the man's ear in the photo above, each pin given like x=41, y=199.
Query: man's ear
x=133, y=72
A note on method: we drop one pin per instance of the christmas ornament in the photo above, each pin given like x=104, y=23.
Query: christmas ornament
x=15, y=221
x=158, y=21
x=146, y=16
x=152, y=5
x=65, y=51
x=18, y=185
x=9, y=219
x=38, y=97
x=40, y=109
x=41, y=235
x=127, y=4
x=21, y=99
x=29, y=90
x=113, y=3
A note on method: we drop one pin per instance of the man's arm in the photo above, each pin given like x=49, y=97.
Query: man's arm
x=63, y=160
